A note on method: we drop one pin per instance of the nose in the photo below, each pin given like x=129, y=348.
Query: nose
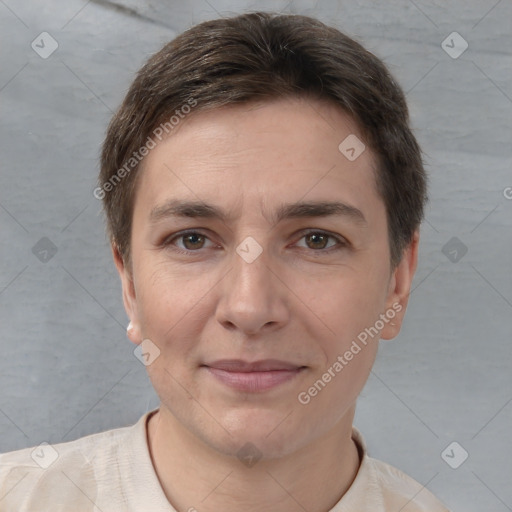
x=254, y=297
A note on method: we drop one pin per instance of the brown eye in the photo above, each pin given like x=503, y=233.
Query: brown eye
x=188, y=242
x=317, y=240
x=192, y=241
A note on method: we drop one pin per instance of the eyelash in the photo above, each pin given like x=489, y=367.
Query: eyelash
x=168, y=242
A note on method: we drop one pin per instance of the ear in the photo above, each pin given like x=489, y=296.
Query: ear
x=129, y=298
x=400, y=288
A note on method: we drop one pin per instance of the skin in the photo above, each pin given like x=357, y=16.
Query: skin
x=303, y=300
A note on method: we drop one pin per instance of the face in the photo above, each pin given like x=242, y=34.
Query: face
x=260, y=258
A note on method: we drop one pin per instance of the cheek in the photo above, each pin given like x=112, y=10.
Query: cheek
x=349, y=308
x=167, y=302
x=348, y=303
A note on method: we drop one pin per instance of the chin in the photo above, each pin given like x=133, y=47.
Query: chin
x=270, y=431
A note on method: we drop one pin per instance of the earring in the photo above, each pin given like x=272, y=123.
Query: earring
x=129, y=327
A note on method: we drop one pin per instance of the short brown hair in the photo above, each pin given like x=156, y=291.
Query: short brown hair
x=265, y=56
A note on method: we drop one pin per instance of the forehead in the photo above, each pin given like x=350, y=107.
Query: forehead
x=261, y=152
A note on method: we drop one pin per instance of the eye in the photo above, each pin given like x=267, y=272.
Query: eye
x=191, y=240
x=318, y=240
x=188, y=242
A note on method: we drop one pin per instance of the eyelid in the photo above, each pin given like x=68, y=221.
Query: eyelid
x=341, y=240
x=168, y=240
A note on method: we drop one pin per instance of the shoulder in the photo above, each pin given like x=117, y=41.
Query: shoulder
x=400, y=490
x=379, y=487
x=37, y=478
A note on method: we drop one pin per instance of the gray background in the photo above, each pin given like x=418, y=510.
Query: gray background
x=66, y=367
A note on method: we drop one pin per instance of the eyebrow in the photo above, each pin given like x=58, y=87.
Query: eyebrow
x=304, y=209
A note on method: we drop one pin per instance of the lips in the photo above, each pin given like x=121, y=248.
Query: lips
x=238, y=365
x=252, y=377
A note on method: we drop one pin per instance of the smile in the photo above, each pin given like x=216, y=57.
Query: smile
x=253, y=377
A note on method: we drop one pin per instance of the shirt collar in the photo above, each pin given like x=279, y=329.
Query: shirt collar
x=145, y=492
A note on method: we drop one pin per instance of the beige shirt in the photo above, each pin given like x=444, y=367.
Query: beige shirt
x=112, y=472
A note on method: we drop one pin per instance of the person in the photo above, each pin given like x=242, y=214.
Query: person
x=263, y=193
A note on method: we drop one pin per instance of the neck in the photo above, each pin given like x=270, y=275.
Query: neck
x=194, y=475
